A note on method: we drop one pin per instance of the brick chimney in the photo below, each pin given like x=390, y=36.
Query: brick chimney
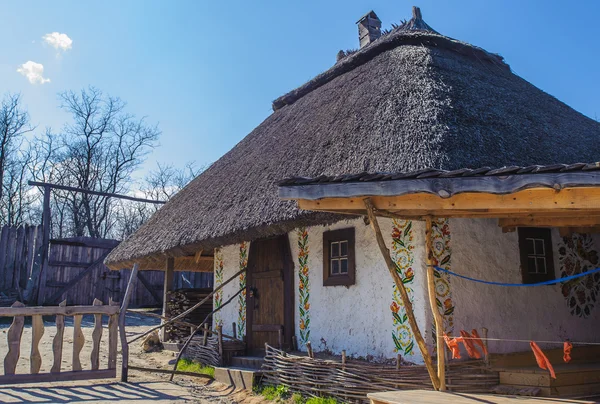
x=369, y=28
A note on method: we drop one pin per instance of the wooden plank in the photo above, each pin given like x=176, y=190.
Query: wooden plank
x=438, y=397
x=3, y=247
x=45, y=245
x=57, y=342
x=78, y=341
x=566, y=202
x=37, y=331
x=437, y=316
x=446, y=187
x=392, y=268
x=96, y=337
x=168, y=286
x=557, y=221
x=19, y=247
x=268, y=274
x=14, y=342
x=168, y=371
x=149, y=287
x=72, y=264
x=53, y=310
x=54, y=377
x=122, y=315
x=113, y=333
x=77, y=279
x=9, y=267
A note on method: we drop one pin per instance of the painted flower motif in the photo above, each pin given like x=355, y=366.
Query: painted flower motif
x=302, y=324
x=394, y=307
x=403, y=258
x=448, y=304
x=306, y=306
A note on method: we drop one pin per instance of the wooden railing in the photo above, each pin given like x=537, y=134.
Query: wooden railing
x=15, y=332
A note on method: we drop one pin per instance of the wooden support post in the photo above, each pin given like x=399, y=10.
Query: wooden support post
x=486, y=359
x=294, y=343
x=437, y=316
x=205, y=335
x=220, y=341
x=343, y=359
x=398, y=361
x=168, y=285
x=234, y=330
x=280, y=338
x=44, y=248
x=122, y=314
x=57, y=342
x=309, y=350
x=392, y=268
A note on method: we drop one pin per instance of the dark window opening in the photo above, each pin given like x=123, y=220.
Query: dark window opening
x=535, y=247
x=338, y=257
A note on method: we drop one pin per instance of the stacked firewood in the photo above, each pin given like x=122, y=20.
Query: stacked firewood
x=181, y=300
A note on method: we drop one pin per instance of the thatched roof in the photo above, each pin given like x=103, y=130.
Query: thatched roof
x=411, y=100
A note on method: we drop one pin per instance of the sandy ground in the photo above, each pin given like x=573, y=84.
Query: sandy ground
x=142, y=386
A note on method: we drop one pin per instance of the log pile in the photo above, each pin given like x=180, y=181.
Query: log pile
x=181, y=300
x=353, y=380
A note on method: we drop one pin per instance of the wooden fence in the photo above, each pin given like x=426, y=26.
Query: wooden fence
x=15, y=333
x=75, y=272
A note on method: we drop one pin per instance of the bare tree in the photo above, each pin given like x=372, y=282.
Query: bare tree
x=14, y=122
x=99, y=150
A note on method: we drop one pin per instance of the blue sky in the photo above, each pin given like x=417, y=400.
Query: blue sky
x=207, y=71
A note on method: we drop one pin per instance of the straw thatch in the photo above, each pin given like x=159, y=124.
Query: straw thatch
x=408, y=101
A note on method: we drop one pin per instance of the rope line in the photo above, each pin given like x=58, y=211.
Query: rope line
x=529, y=340
x=552, y=282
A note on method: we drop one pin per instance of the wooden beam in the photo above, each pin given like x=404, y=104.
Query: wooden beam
x=392, y=268
x=168, y=286
x=557, y=221
x=156, y=262
x=198, y=256
x=16, y=311
x=537, y=201
x=437, y=317
x=47, y=185
x=122, y=333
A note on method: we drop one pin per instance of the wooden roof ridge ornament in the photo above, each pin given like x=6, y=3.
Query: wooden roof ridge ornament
x=435, y=380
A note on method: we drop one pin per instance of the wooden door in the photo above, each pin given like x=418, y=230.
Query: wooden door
x=270, y=295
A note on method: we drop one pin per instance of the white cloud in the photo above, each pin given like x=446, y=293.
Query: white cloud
x=34, y=72
x=58, y=41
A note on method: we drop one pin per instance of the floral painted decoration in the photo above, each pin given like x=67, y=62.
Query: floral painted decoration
x=576, y=254
x=442, y=254
x=218, y=296
x=241, y=324
x=402, y=255
x=303, y=286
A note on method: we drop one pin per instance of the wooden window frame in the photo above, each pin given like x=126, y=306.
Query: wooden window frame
x=342, y=279
x=544, y=234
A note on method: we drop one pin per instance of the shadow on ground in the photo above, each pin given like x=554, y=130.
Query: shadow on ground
x=104, y=392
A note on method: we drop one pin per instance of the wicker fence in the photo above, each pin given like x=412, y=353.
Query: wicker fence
x=352, y=381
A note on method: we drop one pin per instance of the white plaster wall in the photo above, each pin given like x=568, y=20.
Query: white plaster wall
x=480, y=250
x=358, y=318
x=231, y=264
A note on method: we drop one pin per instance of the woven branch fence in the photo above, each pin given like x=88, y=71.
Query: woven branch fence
x=352, y=381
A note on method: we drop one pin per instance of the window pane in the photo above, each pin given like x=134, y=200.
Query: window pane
x=539, y=247
x=541, y=265
x=343, y=248
x=531, y=265
x=335, y=249
x=344, y=266
x=530, y=246
x=335, y=266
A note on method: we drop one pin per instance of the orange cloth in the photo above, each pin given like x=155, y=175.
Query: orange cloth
x=468, y=342
x=567, y=347
x=452, y=345
x=477, y=340
x=541, y=359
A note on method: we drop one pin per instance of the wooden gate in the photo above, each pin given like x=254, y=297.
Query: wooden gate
x=18, y=311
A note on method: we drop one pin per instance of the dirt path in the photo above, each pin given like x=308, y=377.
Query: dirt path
x=143, y=386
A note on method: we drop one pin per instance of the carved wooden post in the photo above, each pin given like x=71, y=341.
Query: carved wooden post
x=37, y=331
x=343, y=359
x=412, y=321
x=437, y=316
x=57, y=342
x=96, y=337
x=113, y=334
x=78, y=341
x=14, y=342
x=122, y=314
